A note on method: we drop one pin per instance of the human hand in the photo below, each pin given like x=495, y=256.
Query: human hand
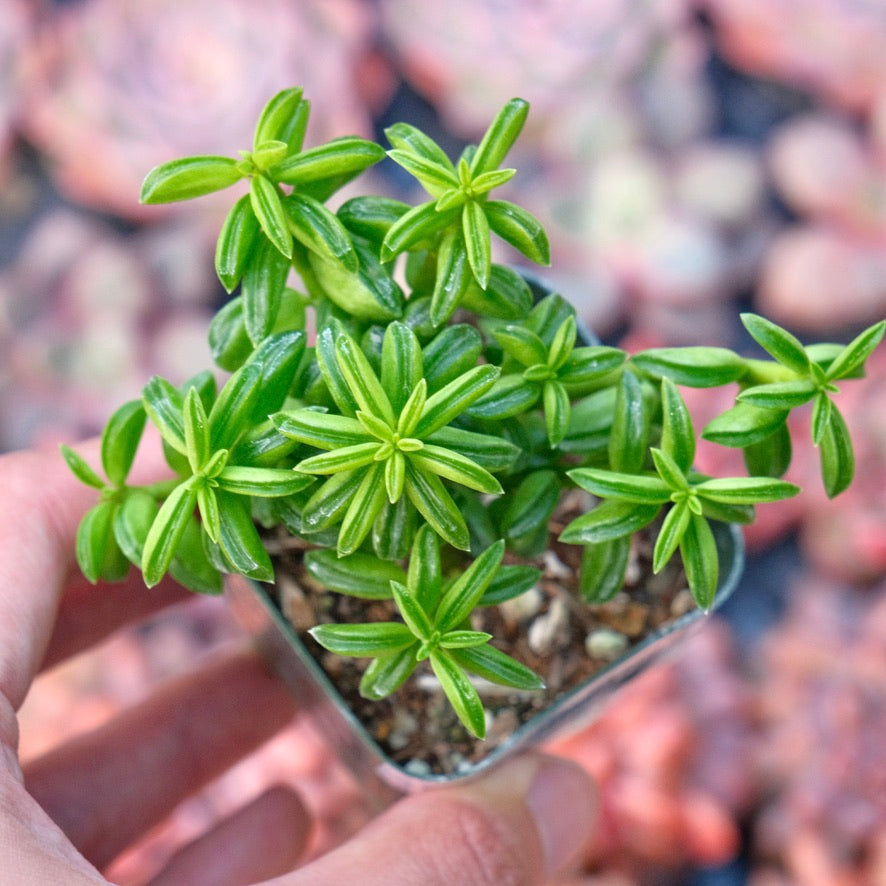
x=76, y=808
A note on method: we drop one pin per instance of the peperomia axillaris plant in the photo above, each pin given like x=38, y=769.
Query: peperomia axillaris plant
x=419, y=445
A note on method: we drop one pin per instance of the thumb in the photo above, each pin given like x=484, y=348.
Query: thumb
x=519, y=824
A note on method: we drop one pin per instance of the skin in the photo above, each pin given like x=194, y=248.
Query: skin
x=74, y=810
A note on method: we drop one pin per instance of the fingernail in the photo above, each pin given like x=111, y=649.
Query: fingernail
x=563, y=803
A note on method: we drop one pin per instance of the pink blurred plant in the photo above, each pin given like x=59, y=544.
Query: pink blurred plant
x=834, y=49
x=823, y=717
x=674, y=763
x=114, y=83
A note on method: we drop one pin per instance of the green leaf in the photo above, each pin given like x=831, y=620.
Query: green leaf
x=357, y=575
x=509, y=582
x=417, y=620
x=120, y=440
x=510, y=395
x=671, y=534
x=283, y=118
x=837, y=458
x=262, y=482
x=262, y=287
x=414, y=227
x=695, y=367
x=163, y=404
x=401, y=364
x=497, y=667
x=531, y=504
x=780, y=395
x=603, y=567
x=412, y=409
x=363, y=510
x=522, y=344
x=609, y=520
x=547, y=316
x=629, y=438
x=405, y=137
x=425, y=577
x=434, y=177
x=239, y=540
x=230, y=416
x=229, y=342
x=363, y=640
x=455, y=467
x=500, y=136
x=328, y=504
x=207, y=506
x=319, y=230
x=463, y=595
x=778, y=342
x=668, y=469
x=387, y=673
x=320, y=429
x=770, y=457
x=361, y=380
x=475, y=229
x=267, y=204
x=677, y=434
x=745, y=490
x=196, y=430
x=821, y=416
x=507, y=295
x=279, y=356
x=464, y=639
x=95, y=546
x=371, y=217
x=460, y=691
x=453, y=351
x=586, y=366
x=557, y=411
x=641, y=489
x=435, y=504
x=166, y=531
x=520, y=229
x=189, y=177
x=345, y=156
x=452, y=276
x=853, y=356
x=491, y=452
x=394, y=529
x=235, y=242
x=454, y=398
x=698, y=550
x=80, y=468
x=132, y=523
x=332, y=375
x=744, y=425
x=347, y=458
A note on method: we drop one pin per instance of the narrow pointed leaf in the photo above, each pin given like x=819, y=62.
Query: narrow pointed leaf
x=677, y=434
x=362, y=380
x=609, y=520
x=80, y=468
x=695, y=367
x=401, y=364
x=520, y=229
x=522, y=344
x=642, y=489
x=670, y=535
x=371, y=216
x=347, y=458
x=283, y=118
x=465, y=592
x=207, y=505
x=455, y=467
x=425, y=576
x=341, y=156
x=453, y=276
x=387, y=673
x=412, y=410
x=319, y=230
x=188, y=177
x=357, y=575
x=95, y=540
x=435, y=504
x=239, y=539
x=235, y=242
x=746, y=490
x=196, y=430
x=363, y=640
x=395, y=476
x=332, y=374
x=837, y=457
x=464, y=639
x=417, y=620
x=330, y=502
x=587, y=365
x=166, y=531
x=629, y=438
x=435, y=178
x=500, y=136
x=603, y=568
x=266, y=201
x=320, y=429
x=531, y=503
x=770, y=457
x=475, y=228
x=262, y=482
x=405, y=137
x=460, y=691
x=415, y=226
x=698, y=550
x=491, y=452
x=778, y=342
x=453, y=399
x=669, y=470
x=453, y=351
x=557, y=411
x=164, y=404
x=363, y=510
x=780, y=395
x=232, y=410
x=264, y=280
x=509, y=582
x=494, y=665
x=744, y=425
x=821, y=416
x=853, y=356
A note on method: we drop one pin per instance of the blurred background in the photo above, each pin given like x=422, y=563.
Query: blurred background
x=691, y=159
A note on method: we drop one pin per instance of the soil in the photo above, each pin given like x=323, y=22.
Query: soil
x=550, y=628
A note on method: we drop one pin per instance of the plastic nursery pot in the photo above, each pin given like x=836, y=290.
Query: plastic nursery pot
x=383, y=779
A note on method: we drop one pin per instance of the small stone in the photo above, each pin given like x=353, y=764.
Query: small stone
x=544, y=631
x=523, y=607
x=554, y=567
x=682, y=603
x=418, y=767
x=606, y=644
x=295, y=605
x=629, y=618
x=403, y=729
